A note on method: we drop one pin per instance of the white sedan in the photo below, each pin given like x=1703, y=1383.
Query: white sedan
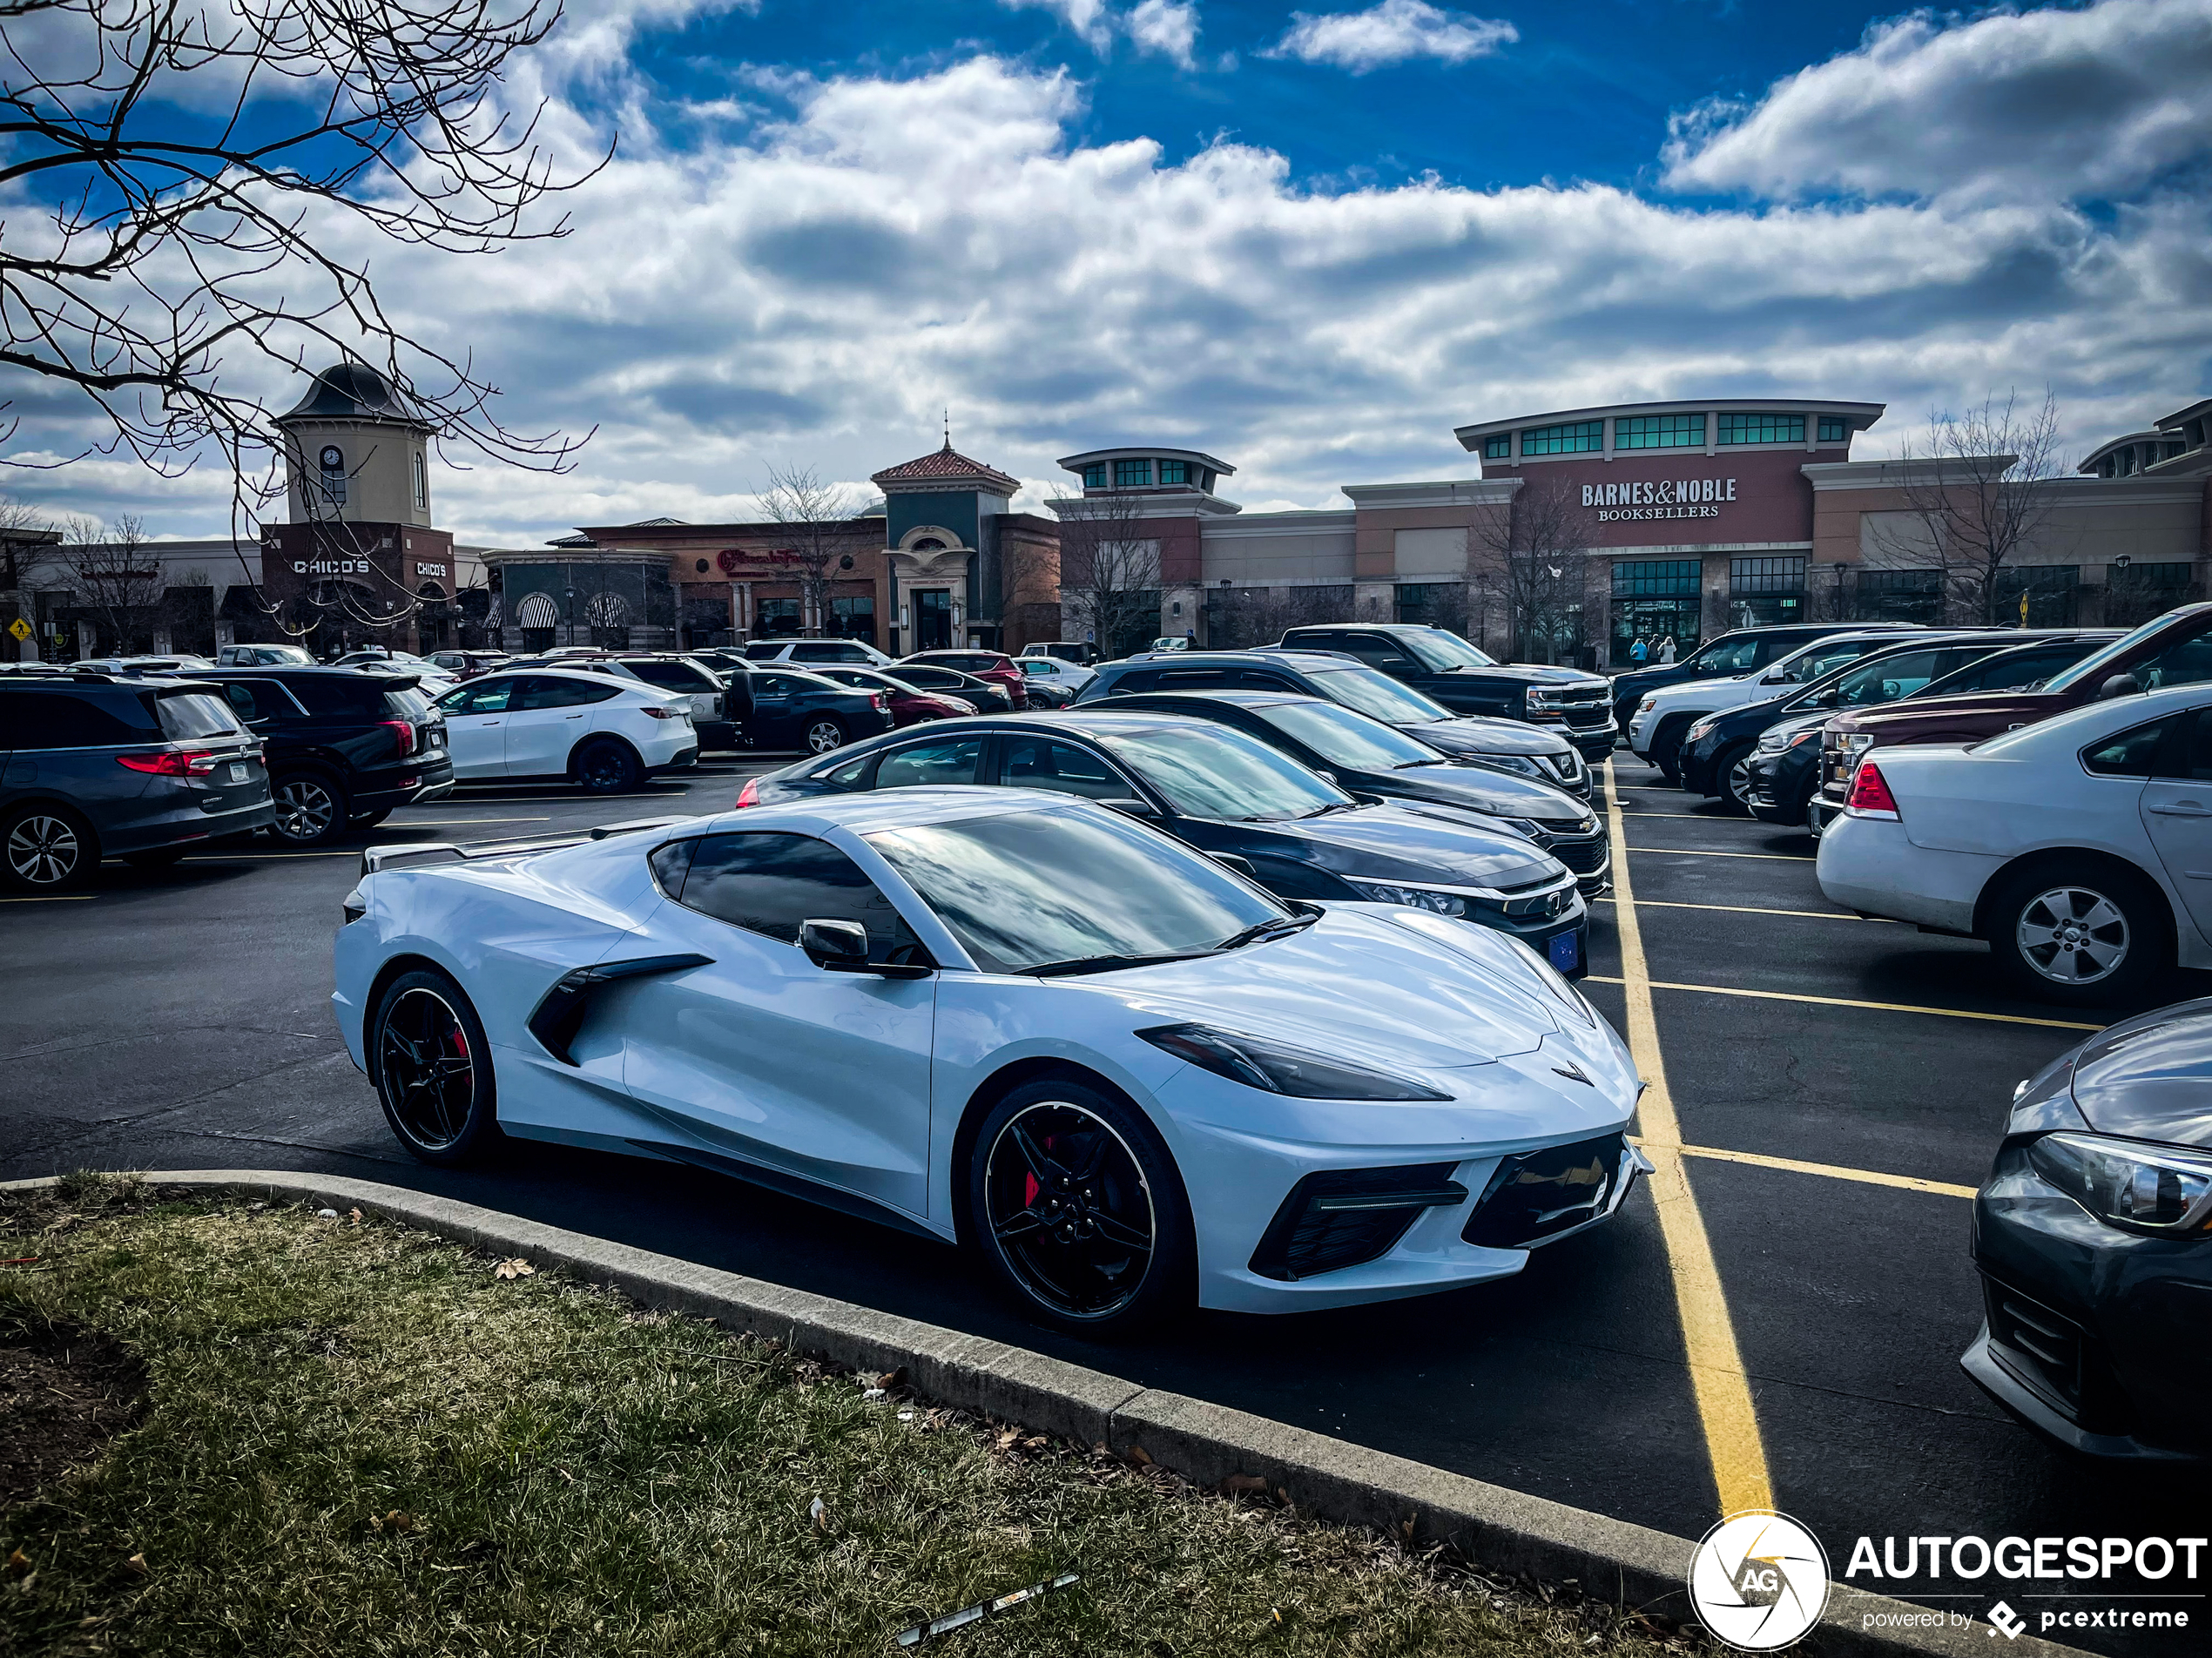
x=2079, y=847
x=1124, y=1073
x=607, y=731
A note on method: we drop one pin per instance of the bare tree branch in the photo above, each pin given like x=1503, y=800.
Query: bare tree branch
x=1109, y=570
x=1530, y=553
x=817, y=514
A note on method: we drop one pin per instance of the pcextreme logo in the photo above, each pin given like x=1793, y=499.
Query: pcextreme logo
x=1759, y=1581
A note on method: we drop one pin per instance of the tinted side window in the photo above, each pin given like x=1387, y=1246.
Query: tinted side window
x=1144, y=679
x=196, y=713
x=1198, y=679
x=485, y=696
x=926, y=764
x=1037, y=763
x=50, y=719
x=1252, y=679
x=823, y=653
x=770, y=883
x=2187, y=664
x=332, y=695
x=2133, y=753
x=544, y=691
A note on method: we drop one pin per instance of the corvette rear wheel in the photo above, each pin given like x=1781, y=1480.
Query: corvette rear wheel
x=1074, y=1202
x=431, y=1063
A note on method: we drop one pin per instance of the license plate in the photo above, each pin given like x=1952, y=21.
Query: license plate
x=1565, y=950
x=239, y=772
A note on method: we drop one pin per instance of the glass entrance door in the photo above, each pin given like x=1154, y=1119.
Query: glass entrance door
x=934, y=618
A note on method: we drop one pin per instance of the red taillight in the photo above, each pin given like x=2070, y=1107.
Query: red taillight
x=176, y=763
x=1870, y=792
x=882, y=702
x=749, y=795
x=405, y=732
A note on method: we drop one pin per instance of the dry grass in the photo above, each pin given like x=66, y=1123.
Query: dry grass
x=363, y=1441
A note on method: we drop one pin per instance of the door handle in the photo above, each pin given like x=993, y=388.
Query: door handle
x=2183, y=809
x=571, y=717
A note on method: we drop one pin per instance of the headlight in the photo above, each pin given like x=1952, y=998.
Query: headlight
x=1520, y=827
x=1520, y=764
x=1419, y=898
x=2127, y=1182
x=1850, y=742
x=1276, y=1069
x=1699, y=729
x=1771, y=742
x=1539, y=698
x=1647, y=705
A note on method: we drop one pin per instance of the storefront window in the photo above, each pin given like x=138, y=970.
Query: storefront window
x=1762, y=428
x=854, y=618
x=1571, y=438
x=1498, y=446
x=1175, y=472
x=1762, y=591
x=775, y=619
x=1132, y=474
x=2051, y=590
x=1660, y=432
x=1899, y=595
x=1654, y=599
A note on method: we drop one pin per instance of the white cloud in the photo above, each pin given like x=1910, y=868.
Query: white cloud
x=1090, y=19
x=1392, y=32
x=1167, y=28
x=2044, y=105
x=816, y=287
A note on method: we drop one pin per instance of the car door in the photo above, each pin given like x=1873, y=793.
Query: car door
x=775, y=709
x=710, y=1050
x=2176, y=808
x=547, y=718
x=476, y=725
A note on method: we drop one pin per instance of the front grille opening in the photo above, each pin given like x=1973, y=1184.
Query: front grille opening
x=2054, y=1357
x=1537, y=1195
x=1340, y=1217
x=1585, y=856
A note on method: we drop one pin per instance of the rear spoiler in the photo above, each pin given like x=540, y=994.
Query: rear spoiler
x=445, y=852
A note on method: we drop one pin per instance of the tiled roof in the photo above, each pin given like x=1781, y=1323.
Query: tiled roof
x=944, y=466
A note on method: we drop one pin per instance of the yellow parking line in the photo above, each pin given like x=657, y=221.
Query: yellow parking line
x=1723, y=1391
x=1752, y=909
x=1844, y=1001
x=1688, y=851
x=1832, y=1171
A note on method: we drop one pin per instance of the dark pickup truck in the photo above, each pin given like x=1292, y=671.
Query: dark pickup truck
x=1443, y=666
x=2175, y=649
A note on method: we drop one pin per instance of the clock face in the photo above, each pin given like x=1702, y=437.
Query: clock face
x=333, y=459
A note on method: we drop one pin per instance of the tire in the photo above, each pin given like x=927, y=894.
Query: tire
x=1732, y=775
x=311, y=808
x=1666, y=749
x=1070, y=1260
x=166, y=857
x=605, y=767
x=823, y=734
x=431, y=1064
x=2085, y=933
x=45, y=849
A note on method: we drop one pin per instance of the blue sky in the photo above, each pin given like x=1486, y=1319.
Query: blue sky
x=1309, y=240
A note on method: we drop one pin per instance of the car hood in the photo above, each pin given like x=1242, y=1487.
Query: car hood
x=1797, y=722
x=1400, y=844
x=1480, y=735
x=2005, y=707
x=1501, y=794
x=1529, y=673
x=1357, y=983
x=2150, y=1077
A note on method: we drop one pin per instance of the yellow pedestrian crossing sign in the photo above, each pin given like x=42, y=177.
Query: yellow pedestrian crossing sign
x=20, y=628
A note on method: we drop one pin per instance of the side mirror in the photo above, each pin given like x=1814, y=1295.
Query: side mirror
x=2119, y=685
x=835, y=946
x=1133, y=808
x=1323, y=771
x=1231, y=861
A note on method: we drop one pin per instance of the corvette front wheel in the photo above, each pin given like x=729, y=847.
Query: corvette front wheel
x=1076, y=1204
x=431, y=1062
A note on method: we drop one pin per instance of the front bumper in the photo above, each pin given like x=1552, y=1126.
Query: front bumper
x=1779, y=780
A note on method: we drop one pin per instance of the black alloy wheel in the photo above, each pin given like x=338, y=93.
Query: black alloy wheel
x=310, y=809
x=607, y=768
x=44, y=849
x=432, y=1066
x=824, y=734
x=1074, y=1201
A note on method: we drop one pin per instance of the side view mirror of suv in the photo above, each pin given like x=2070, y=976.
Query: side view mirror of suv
x=2119, y=685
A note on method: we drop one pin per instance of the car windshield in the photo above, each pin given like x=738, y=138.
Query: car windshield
x=1206, y=772
x=1343, y=737
x=1439, y=652
x=2097, y=665
x=1378, y=695
x=1025, y=890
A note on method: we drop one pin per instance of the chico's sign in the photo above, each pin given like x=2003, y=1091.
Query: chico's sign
x=1659, y=498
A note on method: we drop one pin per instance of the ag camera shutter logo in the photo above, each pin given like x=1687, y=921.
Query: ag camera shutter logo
x=1759, y=1581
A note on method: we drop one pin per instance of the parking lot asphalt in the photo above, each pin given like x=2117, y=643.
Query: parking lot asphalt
x=1837, y=1089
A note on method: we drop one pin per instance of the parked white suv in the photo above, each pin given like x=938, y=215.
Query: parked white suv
x=853, y=653
x=2079, y=847
x=263, y=656
x=607, y=731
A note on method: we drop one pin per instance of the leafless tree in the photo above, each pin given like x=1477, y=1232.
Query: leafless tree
x=1243, y=616
x=115, y=577
x=27, y=543
x=1109, y=569
x=192, y=168
x=1977, y=491
x=817, y=516
x=1530, y=552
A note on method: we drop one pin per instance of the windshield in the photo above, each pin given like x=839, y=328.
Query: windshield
x=1206, y=772
x=1440, y=652
x=2096, y=665
x=1019, y=891
x=1378, y=695
x=1343, y=737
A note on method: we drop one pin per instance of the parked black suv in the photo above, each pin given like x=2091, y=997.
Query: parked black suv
x=1443, y=666
x=346, y=748
x=96, y=765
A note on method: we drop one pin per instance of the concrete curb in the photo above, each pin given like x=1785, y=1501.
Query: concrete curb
x=1496, y=1529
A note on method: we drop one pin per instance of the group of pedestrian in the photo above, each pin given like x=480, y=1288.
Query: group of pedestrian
x=1660, y=651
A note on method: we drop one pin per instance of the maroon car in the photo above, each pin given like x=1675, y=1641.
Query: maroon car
x=909, y=705
x=2175, y=649
x=994, y=665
